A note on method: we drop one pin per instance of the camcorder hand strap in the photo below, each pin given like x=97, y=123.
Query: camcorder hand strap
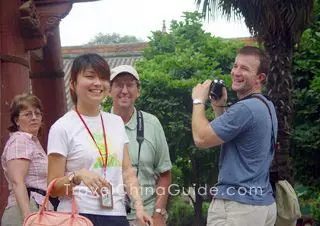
x=140, y=135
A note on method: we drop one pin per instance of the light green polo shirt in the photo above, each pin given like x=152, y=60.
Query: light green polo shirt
x=154, y=157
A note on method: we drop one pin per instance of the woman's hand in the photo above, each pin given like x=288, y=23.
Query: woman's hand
x=92, y=180
x=143, y=219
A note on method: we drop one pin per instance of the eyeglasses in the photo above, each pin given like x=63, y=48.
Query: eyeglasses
x=30, y=114
x=129, y=85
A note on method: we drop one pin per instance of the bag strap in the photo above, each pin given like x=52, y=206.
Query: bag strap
x=44, y=206
x=140, y=135
x=273, y=139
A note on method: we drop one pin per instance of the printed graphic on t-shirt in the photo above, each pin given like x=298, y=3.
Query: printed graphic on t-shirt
x=113, y=160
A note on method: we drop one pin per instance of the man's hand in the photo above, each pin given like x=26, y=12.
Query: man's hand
x=222, y=101
x=158, y=220
x=142, y=218
x=220, y=105
x=201, y=91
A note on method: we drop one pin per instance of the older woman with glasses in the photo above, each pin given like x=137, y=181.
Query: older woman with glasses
x=24, y=161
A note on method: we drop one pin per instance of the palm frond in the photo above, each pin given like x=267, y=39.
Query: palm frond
x=264, y=18
x=210, y=9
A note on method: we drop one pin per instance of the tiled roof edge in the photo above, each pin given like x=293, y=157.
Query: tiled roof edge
x=107, y=55
x=104, y=45
x=109, y=48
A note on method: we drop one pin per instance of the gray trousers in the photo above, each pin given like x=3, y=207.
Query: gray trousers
x=12, y=215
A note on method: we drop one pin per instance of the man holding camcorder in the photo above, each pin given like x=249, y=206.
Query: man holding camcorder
x=247, y=131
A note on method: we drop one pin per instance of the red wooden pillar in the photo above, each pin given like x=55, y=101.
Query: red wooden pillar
x=47, y=78
x=14, y=73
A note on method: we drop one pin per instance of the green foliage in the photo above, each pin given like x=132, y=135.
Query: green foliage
x=113, y=38
x=306, y=123
x=174, y=63
x=205, y=207
x=197, y=53
x=180, y=212
x=315, y=207
x=177, y=175
x=309, y=199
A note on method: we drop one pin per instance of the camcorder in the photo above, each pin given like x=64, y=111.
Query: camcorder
x=215, y=90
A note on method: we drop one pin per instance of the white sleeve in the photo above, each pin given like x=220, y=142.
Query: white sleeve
x=124, y=134
x=58, y=140
x=118, y=122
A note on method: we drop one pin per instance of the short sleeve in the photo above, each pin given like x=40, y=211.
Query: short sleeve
x=234, y=121
x=117, y=121
x=162, y=160
x=18, y=147
x=57, y=140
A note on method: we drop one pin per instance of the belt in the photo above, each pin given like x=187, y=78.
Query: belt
x=54, y=201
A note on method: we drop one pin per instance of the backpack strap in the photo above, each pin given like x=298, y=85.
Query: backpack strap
x=274, y=176
x=273, y=139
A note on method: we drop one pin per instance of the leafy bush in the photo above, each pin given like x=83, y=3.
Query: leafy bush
x=173, y=64
x=309, y=199
x=180, y=212
x=205, y=207
x=306, y=94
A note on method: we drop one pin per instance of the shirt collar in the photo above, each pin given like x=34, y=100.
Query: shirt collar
x=132, y=124
x=29, y=135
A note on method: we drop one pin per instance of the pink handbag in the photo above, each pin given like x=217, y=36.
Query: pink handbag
x=49, y=218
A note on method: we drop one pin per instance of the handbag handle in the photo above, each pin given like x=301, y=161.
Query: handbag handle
x=45, y=204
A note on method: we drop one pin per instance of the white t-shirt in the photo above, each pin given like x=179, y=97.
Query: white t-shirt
x=69, y=137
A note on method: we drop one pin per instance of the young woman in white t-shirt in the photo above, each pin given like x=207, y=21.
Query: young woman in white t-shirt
x=88, y=151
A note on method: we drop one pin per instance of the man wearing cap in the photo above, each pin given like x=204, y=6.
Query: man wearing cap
x=153, y=162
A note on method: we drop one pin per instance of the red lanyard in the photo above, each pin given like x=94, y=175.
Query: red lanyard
x=104, y=163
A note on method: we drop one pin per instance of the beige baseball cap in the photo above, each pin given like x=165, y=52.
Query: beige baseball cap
x=124, y=69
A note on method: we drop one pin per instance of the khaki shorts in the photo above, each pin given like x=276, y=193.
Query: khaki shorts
x=230, y=213
x=12, y=215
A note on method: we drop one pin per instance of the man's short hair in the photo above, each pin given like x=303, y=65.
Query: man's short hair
x=262, y=56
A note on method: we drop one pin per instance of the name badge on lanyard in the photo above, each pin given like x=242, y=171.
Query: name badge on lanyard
x=107, y=197
x=106, y=192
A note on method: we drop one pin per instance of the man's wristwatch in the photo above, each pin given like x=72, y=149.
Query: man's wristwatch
x=197, y=101
x=162, y=212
